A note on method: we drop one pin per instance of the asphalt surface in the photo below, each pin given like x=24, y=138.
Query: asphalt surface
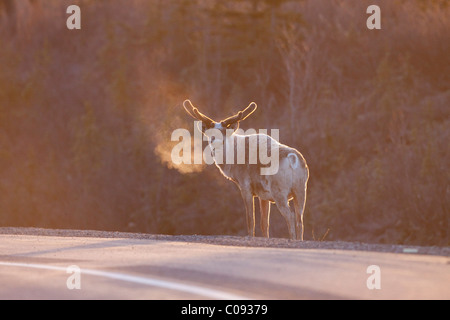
x=55, y=267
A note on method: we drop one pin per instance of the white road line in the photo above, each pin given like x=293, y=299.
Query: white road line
x=193, y=289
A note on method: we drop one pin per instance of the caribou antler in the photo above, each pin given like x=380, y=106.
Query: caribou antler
x=194, y=113
x=241, y=115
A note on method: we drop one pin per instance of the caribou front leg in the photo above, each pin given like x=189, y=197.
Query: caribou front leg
x=249, y=212
x=264, y=208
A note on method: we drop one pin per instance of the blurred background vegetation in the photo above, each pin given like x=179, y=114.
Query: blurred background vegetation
x=86, y=116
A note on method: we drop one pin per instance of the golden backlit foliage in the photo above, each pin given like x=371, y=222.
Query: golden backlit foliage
x=86, y=115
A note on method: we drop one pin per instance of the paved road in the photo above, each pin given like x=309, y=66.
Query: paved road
x=43, y=267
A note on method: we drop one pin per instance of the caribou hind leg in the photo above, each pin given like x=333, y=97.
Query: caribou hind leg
x=264, y=208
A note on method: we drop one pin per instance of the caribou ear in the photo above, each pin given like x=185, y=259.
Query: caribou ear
x=234, y=126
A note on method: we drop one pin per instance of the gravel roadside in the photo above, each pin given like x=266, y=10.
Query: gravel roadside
x=235, y=241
